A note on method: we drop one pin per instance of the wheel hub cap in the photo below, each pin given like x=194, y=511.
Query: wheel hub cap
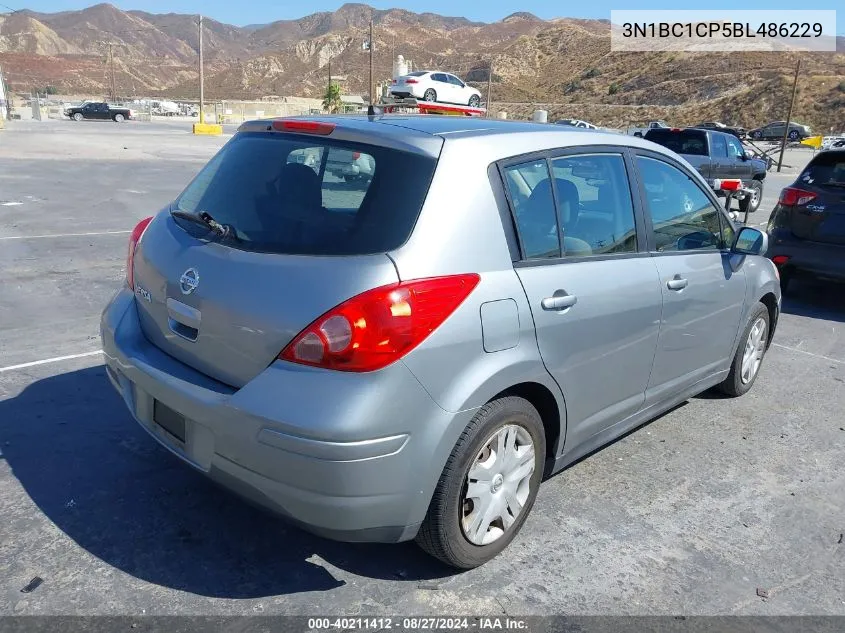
x=497, y=485
x=498, y=480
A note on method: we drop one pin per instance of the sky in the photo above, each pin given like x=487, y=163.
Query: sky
x=263, y=11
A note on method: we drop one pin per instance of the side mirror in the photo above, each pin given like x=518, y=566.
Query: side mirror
x=750, y=241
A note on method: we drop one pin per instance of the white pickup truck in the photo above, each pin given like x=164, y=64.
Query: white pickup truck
x=641, y=127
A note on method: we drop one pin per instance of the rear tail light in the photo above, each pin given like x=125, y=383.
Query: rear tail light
x=134, y=239
x=303, y=127
x=411, y=81
x=394, y=81
x=376, y=328
x=780, y=260
x=792, y=196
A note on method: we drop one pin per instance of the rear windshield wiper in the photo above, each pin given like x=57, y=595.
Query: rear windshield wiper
x=225, y=231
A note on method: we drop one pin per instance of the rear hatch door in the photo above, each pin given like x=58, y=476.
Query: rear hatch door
x=822, y=219
x=304, y=241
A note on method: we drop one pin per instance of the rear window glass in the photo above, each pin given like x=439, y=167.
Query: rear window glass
x=825, y=169
x=681, y=142
x=300, y=195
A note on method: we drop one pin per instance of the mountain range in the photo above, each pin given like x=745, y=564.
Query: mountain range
x=563, y=65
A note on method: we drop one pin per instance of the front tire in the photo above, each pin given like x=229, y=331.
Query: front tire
x=488, y=486
x=430, y=95
x=751, y=203
x=749, y=354
x=78, y=116
x=793, y=135
x=474, y=101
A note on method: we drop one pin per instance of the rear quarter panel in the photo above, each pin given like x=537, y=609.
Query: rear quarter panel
x=460, y=230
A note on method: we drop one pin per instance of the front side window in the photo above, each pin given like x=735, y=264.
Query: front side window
x=735, y=148
x=530, y=192
x=594, y=199
x=720, y=148
x=683, y=217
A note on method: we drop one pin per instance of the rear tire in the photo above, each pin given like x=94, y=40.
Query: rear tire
x=749, y=353
x=752, y=202
x=119, y=118
x=452, y=519
x=430, y=95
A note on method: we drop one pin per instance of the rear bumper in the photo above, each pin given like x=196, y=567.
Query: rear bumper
x=414, y=90
x=352, y=457
x=815, y=258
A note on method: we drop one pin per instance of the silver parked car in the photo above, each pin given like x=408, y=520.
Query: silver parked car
x=407, y=356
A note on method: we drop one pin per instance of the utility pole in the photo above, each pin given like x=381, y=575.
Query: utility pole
x=489, y=87
x=202, y=82
x=111, y=72
x=789, y=114
x=372, y=44
x=328, y=90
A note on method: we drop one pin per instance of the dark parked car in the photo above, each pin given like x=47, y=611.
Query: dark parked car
x=807, y=227
x=774, y=132
x=736, y=130
x=716, y=155
x=101, y=111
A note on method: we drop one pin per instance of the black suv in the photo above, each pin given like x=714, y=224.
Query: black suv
x=807, y=227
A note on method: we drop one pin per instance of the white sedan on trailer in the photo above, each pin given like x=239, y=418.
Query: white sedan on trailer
x=431, y=85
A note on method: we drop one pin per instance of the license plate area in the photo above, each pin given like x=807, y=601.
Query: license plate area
x=169, y=420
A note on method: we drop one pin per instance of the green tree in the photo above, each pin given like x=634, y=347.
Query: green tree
x=331, y=99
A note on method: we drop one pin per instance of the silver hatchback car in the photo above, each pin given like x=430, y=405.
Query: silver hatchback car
x=407, y=356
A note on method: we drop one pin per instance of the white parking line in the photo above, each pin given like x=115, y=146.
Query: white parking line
x=49, y=360
x=35, y=237
x=801, y=351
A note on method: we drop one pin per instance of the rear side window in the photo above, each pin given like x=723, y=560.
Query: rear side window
x=595, y=204
x=534, y=209
x=828, y=168
x=691, y=142
x=297, y=195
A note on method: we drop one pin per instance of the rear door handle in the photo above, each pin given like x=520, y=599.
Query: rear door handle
x=559, y=301
x=677, y=283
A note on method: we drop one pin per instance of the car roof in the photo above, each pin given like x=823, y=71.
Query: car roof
x=427, y=133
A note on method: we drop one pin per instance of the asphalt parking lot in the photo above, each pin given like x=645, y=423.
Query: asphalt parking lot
x=691, y=514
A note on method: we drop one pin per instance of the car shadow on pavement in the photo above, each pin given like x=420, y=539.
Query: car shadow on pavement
x=104, y=482
x=815, y=299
